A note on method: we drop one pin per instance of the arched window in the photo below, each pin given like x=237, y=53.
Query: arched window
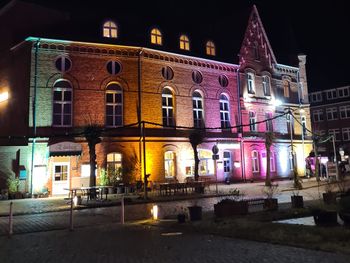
x=224, y=112
x=184, y=42
x=266, y=85
x=62, y=103
x=210, y=48
x=114, y=166
x=114, y=105
x=168, y=107
x=156, y=36
x=198, y=116
x=286, y=88
x=169, y=164
x=110, y=29
x=255, y=161
x=252, y=121
x=250, y=83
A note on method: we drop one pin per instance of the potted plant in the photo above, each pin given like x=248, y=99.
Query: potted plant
x=297, y=200
x=270, y=203
x=195, y=212
x=104, y=181
x=13, y=185
x=233, y=205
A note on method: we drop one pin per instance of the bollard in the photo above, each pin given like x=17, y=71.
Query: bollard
x=11, y=220
x=71, y=214
x=122, y=212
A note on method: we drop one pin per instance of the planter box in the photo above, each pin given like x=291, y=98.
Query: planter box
x=195, y=213
x=329, y=198
x=297, y=201
x=325, y=217
x=271, y=204
x=231, y=208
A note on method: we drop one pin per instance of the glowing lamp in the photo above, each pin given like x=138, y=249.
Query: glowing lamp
x=301, y=110
x=154, y=212
x=277, y=103
x=237, y=164
x=4, y=96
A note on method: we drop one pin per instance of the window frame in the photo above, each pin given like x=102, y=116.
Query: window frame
x=344, y=111
x=184, y=42
x=269, y=123
x=156, y=36
x=115, y=104
x=252, y=121
x=198, y=101
x=224, y=101
x=62, y=104
x=255, y=161
x=286, y=88
x=116, y=163
x=346, y=131
x=266, y=83
x=210, y=48
x=167, y=120
x=250, y=82
x=108, y=30
x=170, y=162
x=333, y=112
x=319, y=113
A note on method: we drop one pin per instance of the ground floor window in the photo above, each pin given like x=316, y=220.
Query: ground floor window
x=206, y=163
x=114, y=165
x=169, y=164
x=255, y=161
x=61, y=172
x=227, y=162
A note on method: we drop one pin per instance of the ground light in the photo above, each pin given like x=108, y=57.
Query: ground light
x=154, y=212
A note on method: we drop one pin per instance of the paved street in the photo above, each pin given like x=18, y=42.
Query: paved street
x=116, y=243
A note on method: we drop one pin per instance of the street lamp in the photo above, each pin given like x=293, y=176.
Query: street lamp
x=4, y=96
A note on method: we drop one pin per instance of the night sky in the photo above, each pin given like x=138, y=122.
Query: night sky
x=319, y=29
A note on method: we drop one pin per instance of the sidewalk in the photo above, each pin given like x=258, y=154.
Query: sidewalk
x=250, y=190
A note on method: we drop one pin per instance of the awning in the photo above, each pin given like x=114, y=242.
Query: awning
x=65, y=149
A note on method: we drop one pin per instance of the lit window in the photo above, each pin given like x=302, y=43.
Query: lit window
x=344, y=112
x=210, y=48
x=110, y=29
x=332, y=113
x=63, y=64
x=198, y=116
x=114, y=166
x=252, y=121
x=286, y=88
x=114, y=105
x=269, y=125
x=114, y=67
x=266, y=85
x=169, y=164
x=224, y=112
x=250, y=83
x=168, y=107
x=255, y=161
x=156, y=36
x=62, y=103
x=206, y=163
x=184, y=42
x=346, y=134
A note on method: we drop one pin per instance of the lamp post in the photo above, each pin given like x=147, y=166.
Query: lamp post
x=215, y=151
x=335, y=159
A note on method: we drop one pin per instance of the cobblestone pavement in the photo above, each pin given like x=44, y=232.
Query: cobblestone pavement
x=131, y=243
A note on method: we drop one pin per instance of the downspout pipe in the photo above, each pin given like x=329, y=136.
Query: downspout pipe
x=139, y=107
x=240, y=123
x=35, y=84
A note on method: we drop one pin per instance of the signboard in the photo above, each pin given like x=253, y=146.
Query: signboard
x=215, y=157
x=65, y=148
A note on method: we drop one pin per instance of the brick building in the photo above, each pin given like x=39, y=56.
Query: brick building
x=146, y=102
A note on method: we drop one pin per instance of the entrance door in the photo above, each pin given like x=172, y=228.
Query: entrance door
x=60, y=178
x=227, y=165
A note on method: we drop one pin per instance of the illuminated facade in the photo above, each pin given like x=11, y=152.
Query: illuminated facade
x=70, y=84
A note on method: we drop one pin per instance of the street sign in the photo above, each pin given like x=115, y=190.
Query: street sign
x=215, y=149
x=215, y=157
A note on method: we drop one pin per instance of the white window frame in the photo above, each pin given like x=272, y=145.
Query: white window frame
x=255, y=161
x=334, y=132
x=331, y=94
x=318, y=114
x=346, y=134
x=169, y=164
x=116, y=162
x=110, y=29
x=252, y=121
x=168, y=107
x=269, y=123
x=206, y=162
x=332, y=113
x=251, y=82
x=316, y=97
x=344, y=112
x=343, y=92
x=184, y=42
x=210, y=48
x=115, y=104
x=266, y=83
x=224, y=111
x=197, y=102
x=272, y=162
x=62, y=104
x=227, y=162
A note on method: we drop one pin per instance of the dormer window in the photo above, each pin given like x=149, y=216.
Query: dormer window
x=184, y=42
x=110, y=29
x=156, y=36
x=210, y=48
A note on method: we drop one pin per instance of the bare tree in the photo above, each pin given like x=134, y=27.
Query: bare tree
x=92, y=135
x=269, y=138
x=196, y=137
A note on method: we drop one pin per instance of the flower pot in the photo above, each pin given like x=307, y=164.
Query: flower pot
x=271, y=204
x=195, y=213
x=297, y=201
x=329, y=198
x=325, y=217
x=181, y=218
x=224, y=209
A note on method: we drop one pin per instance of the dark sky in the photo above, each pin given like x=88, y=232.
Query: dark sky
x=319, y=29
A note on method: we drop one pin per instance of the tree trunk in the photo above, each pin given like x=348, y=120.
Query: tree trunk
x=268, y=168
x=196, y=163
x=92, y=153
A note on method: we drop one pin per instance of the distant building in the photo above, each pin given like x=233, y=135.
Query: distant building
x=57, y=87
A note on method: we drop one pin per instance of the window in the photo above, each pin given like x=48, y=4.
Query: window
x=224, y=112
x=63, y=64
x=169, y=164
x=255, y=161
x=110, y=29
x=256, y=51
x=197, y=77
x=250, y=83
x=168, y=107
x=335, y=133
x=198, y=117
x=316, y=97
x=344, y=112
x=156, y=36
x=252, y=121
x=266, y=85
x=167, y=73
x=61, y=172
x=62, y=104
x=331, y=94
x=332, y=113
x=227, y=162
x=223, y=80
x=210, y=48
x=346, y=134
x=206, y=163
x=343, y=92
x=85, y=170
x=114, y=105
x=317, y=115
x=114, y=165
x=269, y=125
x=114, y=67
x=184, y=42
x=286, y=88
